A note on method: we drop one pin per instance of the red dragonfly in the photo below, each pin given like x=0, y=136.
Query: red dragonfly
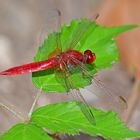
x=65, y=63
x=70, y=57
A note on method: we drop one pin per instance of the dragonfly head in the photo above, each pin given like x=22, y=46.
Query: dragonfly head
x=89, y=56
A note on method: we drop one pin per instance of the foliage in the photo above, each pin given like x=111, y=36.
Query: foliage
x=89, y=35
x=67, y=118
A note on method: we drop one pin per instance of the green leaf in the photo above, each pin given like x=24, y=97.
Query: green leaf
x=67, y=118
x=97, y=38
x=25, y=132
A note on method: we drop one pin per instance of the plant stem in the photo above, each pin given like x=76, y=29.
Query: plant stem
x=17, y=114
x=34, y=103
x=55, y=136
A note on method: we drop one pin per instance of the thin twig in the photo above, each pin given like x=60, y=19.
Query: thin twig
x=132, y=101
x=55, y=136
x=17, y=114
x=34, y=103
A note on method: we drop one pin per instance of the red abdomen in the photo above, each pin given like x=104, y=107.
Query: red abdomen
x=31, y=67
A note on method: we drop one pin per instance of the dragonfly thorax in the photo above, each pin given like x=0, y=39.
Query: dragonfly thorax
x=71, y=58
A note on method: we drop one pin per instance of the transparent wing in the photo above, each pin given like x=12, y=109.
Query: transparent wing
x=58, y=26
x=118, y=103
x=76, y=94
x=64, y=78
x=58, y=49
x=52, y=25
x=79, y=32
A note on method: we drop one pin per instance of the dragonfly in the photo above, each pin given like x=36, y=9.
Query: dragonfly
x=65, y=63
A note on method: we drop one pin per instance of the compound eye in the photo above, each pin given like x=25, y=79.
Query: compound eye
x=90, y=57
x=94, y=56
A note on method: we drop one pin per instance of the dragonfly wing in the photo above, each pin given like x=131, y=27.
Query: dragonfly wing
x=52, y=24
x=58, y=48
x=58, y=31
x=52, y=29
x=75, y=94
x=79, y=32
x=108, y=95
x=83, y=106
x=100, y=90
